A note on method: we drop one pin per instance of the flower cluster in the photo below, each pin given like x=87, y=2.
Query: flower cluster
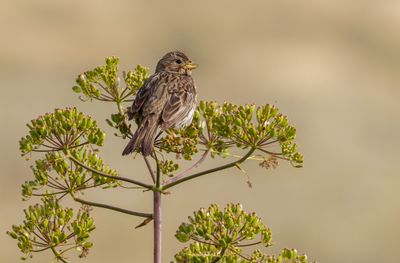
x=220, y=128
x=218, y=233
x=219, y=236
x=167, y=167
x=103, y=84
x=134, y=79
x=55, y=174
x=249, y=126
x=70, y=164
x=50, y=226
x=61, y=130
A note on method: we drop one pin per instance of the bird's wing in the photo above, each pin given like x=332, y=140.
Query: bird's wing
x=180, y=103
x=143, y=95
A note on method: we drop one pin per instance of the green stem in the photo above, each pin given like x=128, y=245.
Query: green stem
x=250, y=244
x=216, y=169
x=40, y=250
x=150, y=169
x=118, y=209
x=277, y=155
x=195, y=165
x=158, y=172
x=240, y=255
x=58, y=256
x=108, y=175
x=220, y=256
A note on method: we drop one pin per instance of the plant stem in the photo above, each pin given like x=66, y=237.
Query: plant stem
x=58, y=256
x=150, y=169
x=108, y=175
x=250, y=244
x=219, y=257
x=157, y=226
x=195, y=165
x=158, y=172
x=118, y=209
x=219, y=168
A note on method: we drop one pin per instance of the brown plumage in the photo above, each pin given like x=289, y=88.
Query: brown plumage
x=167, y=99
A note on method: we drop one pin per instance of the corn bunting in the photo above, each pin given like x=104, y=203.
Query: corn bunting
x=166, y=100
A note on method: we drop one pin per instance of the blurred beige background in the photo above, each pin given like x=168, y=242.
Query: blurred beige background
x=331, y=66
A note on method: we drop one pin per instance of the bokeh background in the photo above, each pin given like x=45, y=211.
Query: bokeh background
x=331, y=66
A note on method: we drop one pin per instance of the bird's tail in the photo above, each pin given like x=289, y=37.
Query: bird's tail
x=143, y=138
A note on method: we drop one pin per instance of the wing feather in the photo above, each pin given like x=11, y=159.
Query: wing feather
x=143, y=95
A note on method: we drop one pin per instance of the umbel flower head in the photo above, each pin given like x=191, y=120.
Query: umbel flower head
x=50, y=226
x=220, y=127
x=221, y=236
x=61, y=130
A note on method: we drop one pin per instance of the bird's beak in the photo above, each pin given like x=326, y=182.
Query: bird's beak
x=190, y=66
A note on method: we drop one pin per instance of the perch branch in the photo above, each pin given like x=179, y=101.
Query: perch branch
x=219, y=168
x=108, y=175
x=118, y=209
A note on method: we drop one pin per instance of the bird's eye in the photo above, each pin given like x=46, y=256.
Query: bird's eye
x=178, y=61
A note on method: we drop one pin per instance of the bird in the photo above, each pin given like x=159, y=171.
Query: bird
x=167, y=99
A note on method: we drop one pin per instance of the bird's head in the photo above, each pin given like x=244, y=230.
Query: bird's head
x=176, y=62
